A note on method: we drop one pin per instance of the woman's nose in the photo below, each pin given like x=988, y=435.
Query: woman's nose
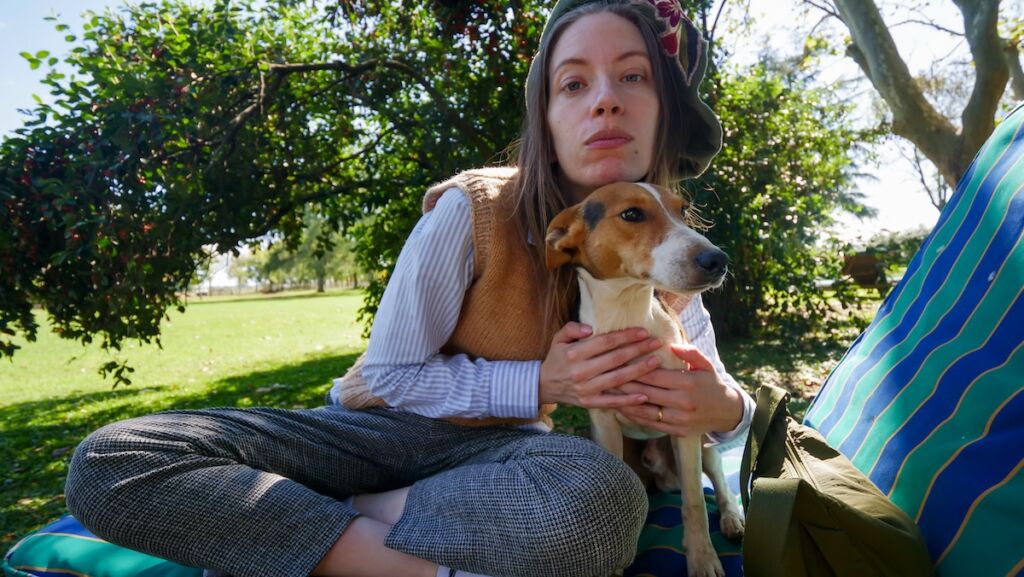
x=606, y=100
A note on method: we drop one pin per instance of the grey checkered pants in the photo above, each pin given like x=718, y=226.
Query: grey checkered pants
x=258, y=492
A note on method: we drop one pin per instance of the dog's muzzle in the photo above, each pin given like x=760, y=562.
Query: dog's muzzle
x=713, y=263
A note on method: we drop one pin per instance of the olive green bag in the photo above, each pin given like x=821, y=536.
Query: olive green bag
x=811, y=512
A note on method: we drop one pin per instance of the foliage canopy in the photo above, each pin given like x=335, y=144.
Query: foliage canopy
x=787, y=168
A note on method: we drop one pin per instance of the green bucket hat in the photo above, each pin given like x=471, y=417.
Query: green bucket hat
x=686, y=49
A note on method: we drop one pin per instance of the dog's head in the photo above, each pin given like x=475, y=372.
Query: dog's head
x=638, y=231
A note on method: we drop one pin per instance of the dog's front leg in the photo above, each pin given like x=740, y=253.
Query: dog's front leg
x=731, y=516
x=701, y=559
x=606, y=430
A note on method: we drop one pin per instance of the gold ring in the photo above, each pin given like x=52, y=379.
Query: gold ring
x=660, y=414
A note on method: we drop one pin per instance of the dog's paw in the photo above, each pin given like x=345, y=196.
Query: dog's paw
x=732, y=524
x=703, y=562
x=701, y=558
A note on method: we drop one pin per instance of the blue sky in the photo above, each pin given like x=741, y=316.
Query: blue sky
x=782, y=24
x=22, y=29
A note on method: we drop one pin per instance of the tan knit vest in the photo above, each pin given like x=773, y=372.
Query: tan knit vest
x=502, y=317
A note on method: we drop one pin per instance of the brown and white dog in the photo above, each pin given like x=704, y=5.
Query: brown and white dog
x=627, y=240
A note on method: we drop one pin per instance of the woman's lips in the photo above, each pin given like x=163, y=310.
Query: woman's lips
x=613, y=142
x=608, y=138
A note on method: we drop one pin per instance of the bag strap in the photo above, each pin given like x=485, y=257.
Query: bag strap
x=770, y=539
x=771, y=400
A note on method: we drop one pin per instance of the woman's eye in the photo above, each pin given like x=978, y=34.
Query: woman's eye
x=572, y=86
x=632, y=215
x=635, y=77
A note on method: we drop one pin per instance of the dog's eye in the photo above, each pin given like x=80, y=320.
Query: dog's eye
x=633, y=214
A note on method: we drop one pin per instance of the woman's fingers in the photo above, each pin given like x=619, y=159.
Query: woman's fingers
x=693, y=357
x=612, y=359
x=625, y=374
x=672, y=421
x=659, y=396
x=602, y=344
x=613, y=401
x=571, y=332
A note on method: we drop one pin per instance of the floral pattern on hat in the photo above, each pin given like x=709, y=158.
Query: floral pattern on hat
x=677, y=31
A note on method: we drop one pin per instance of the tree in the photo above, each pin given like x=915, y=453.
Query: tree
x=787, y=167
x=322, y=254
x=191, y=126
x=996, y=67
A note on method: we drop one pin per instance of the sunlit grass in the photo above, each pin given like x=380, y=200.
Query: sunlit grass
x=241, y=352
x=213, y=339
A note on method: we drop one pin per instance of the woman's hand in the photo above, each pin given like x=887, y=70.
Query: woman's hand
x=691, y=402
x=585, y=371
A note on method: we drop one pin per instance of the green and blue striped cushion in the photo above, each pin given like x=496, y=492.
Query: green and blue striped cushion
x=929, y=401
x=660, y=549
x=65, y=548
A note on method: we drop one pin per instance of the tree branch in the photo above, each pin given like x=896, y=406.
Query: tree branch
x=939, y=194
x=464, y=127
x=991, y=71
x=1012, y=53
x=827, y=9
x=274, y=219
x=281, y=71
x=928, y=24
x=714, y=25
x=365, y=149
x=319, y=174
x=913, y=116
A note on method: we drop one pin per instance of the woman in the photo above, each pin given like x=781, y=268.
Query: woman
x=471, y=342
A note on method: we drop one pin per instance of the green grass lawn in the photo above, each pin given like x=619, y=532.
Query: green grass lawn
x=277, y=351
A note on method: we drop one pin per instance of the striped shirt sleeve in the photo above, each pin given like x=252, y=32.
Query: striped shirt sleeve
x=697, y=323
x=417, y=315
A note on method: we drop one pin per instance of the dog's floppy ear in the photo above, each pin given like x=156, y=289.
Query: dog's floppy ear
x=565, y=232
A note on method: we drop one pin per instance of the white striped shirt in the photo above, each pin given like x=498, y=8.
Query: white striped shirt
x=417, y=316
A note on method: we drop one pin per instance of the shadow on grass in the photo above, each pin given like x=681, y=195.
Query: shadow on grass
x=800, y=367
x=221, y=299
x=38, y=437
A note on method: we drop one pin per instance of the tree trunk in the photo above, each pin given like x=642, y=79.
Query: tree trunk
x=1012, y=52
x=914, y=118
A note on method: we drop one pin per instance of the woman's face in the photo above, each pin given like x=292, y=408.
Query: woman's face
x=602, y=104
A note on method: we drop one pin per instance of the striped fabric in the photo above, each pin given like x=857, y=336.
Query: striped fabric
x=660, y=550
x=929, y=401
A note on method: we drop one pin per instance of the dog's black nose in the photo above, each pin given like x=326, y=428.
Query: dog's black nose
x=713, y=262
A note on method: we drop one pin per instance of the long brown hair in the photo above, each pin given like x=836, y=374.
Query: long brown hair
x=538, y=196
